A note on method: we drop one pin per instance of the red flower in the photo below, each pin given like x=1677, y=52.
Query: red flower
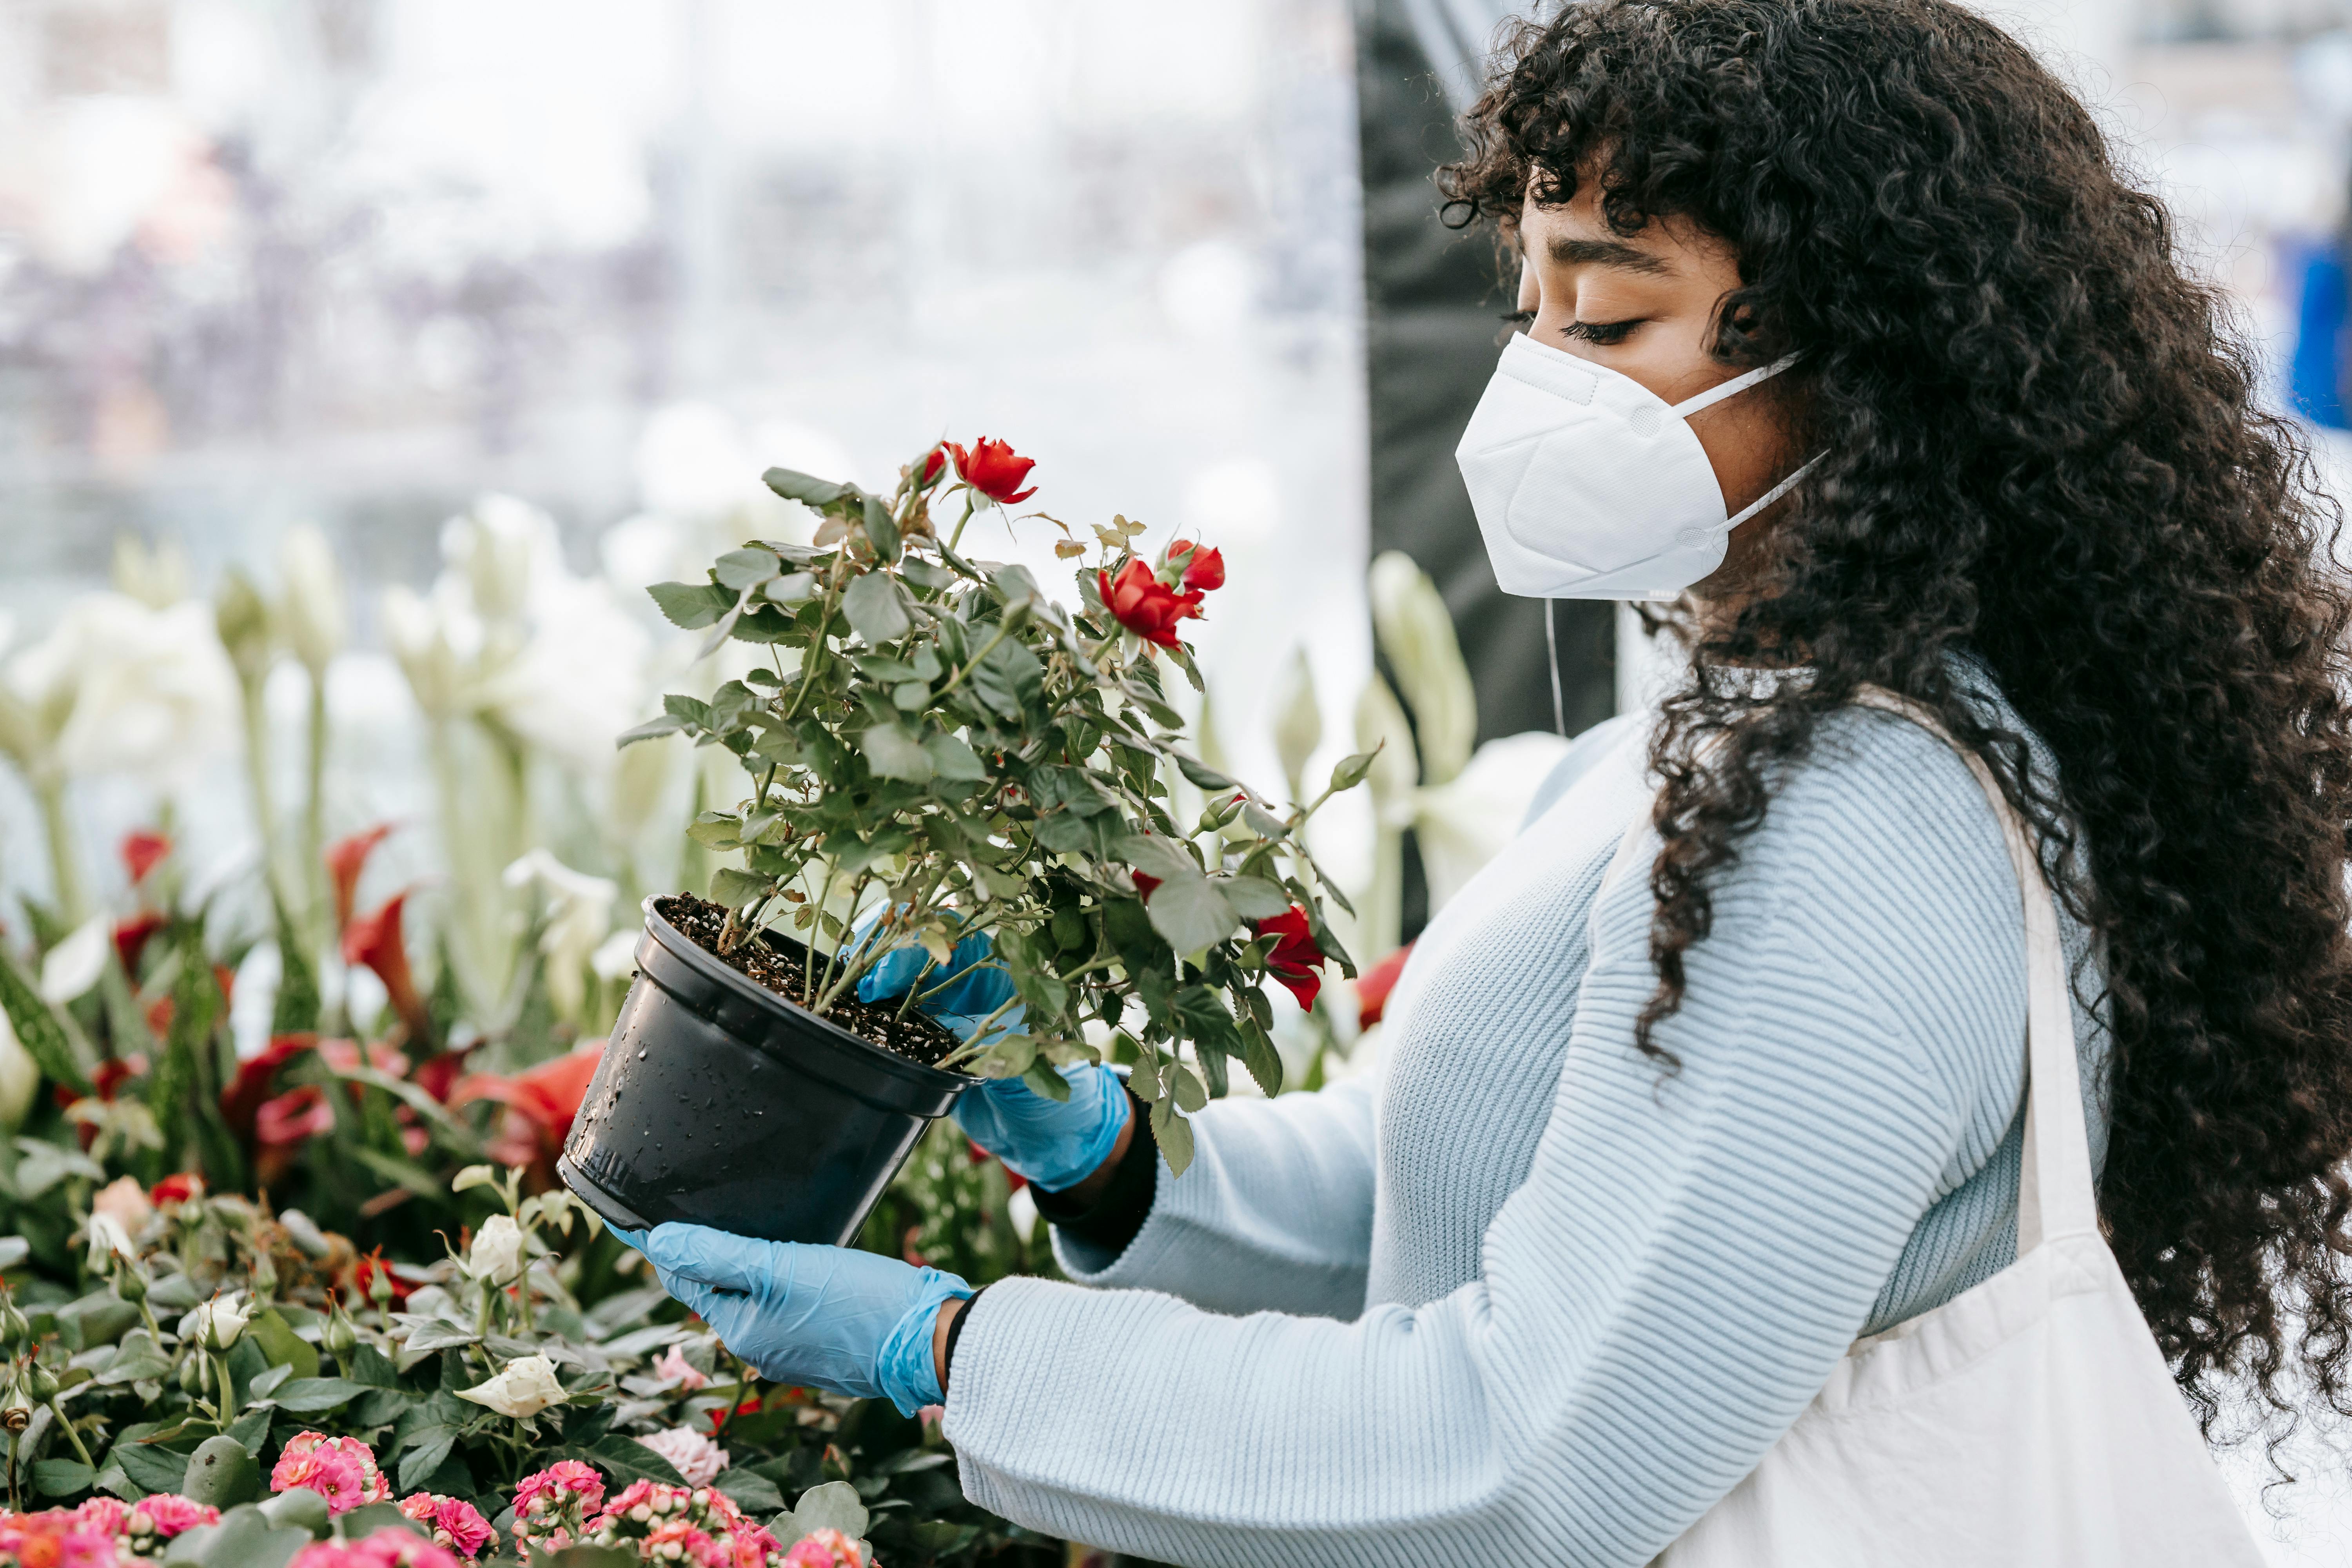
x=934, y=461
x=992, y=467
x=1372, y=989
x=176, y=1189
x=301, y=1112
x=346, y=858
x=112, y=1073
x=1144, y=886
x=130, y=939
x=547, y=1096
x=142, y=852
x=241, y=1100
x=1295, y=956
x=1204, y=569
x=376, y=941
x=364, y=1270
x=1144, y=605
x=718, y=1418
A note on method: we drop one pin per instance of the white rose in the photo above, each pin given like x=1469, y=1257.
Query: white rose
x=525, y=1387
x=497, y=1254
x=220, y=1321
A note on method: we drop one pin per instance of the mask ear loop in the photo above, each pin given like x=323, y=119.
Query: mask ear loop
x=1551, y=662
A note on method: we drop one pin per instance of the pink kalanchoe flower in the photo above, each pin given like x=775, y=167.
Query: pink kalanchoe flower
x=54, y=1539
x=672, y=1362
x=824, y=1549
x=166, y=1514
x=340, y=1469
x=103, y=1516
x=390, y=1547
x=455, y=1523
x=551, y=1507
x=676, y=1540
x=693, y=1455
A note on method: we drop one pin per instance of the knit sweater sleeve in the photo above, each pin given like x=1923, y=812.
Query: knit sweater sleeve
x=1274, y=1213
x=1689, y=1254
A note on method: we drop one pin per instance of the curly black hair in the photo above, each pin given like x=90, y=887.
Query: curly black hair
x=2043, y=450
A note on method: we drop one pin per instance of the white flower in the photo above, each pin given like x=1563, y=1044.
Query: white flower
x=220, y=1321
x=615, y=957
x=1298, y=721
x=579, y=679
x=496, y=1253
x=525, y=1387
x=107, y=1236
x=1461, y=825
x=579, y=918
x=1416, y=632
x=421, y=641
x=123, y=1201
x=694, y=1457
x=20, y=1077
x=502, y=547
x=119, y=686
x=157, y=577
x=73, y=966
x=312, y=608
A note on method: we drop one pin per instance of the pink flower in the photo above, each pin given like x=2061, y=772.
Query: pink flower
x=690, y=1454
x=340, y=1469
x=390, y=1547
x=824, y=1549
x=672, y=1364
x=167, y=1514
x=455, y=1523
x=103, y=1516
x=676, y=1540
x=551, y=1507
x=54, y=1539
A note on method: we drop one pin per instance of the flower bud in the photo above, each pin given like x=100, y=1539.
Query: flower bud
x=39, y=1383
x=340, y=1338
x=220, y=1322
x=16, y=1412
x=265, y=1275
x=16, y=1330
x=129, y=1283
x=191, y=1376
x=380, y=1285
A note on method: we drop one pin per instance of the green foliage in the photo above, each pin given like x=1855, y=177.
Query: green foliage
x=942, y=747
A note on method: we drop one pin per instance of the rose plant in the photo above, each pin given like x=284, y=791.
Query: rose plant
x=937, y=746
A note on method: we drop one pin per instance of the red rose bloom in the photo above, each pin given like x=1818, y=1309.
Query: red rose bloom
x=994, y=469
x=142, y=852
x=1145, y=605
x=176, y=1189
x=1204, y=572
x=1295, y=956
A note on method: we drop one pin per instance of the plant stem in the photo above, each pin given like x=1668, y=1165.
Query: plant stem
x=969, y=508
x=65, y=864
x=973, y=1045
x=256, y=776
x=56, y=1412
x=223, y=1392
x=819, y=643
x=828, y=991
x=916, y=983
x=314, y=807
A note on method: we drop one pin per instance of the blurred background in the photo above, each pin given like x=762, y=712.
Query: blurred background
x=453, y=325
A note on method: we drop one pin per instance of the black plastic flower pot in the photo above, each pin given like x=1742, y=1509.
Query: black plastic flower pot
x=724, y=1103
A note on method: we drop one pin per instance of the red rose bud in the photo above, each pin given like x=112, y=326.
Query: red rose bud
x=994, y=469
x=142, y=852
x=176, y=1189
x=934, y=461
x=1204, y=569
x=346, y=858
x=1295, y=956
x=1145, y=605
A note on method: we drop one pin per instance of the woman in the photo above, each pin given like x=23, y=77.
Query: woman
x=1646, y=1158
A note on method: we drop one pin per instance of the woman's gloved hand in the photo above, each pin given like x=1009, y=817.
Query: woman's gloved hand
x=822, y=1317
x=1052, y=1143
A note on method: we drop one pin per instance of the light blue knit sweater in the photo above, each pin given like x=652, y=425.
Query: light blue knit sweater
x=1523, y=1299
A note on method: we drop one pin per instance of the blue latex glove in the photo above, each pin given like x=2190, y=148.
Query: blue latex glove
x=1055, y=1143
x=820, y=1317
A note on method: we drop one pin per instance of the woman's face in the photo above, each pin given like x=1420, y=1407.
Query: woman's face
x=1646, y=306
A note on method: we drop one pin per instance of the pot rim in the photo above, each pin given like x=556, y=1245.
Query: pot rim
x=711, y=966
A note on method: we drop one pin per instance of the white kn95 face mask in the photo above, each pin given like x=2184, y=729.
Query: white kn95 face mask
x=1586, y=484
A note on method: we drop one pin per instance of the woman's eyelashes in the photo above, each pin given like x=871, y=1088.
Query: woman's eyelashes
x=1600, y=333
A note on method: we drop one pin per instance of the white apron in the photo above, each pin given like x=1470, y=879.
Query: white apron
x=2029, y=1422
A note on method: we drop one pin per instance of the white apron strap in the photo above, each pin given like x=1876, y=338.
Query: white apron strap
x=2055, y=1194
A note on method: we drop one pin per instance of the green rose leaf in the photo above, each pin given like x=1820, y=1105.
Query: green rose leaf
x=742, y=569
x=893, y=754
x=735, y=888
x=1258, y=1055
x=1169, y=1131
x=875, y=609
x=1191, y=914
x=692, y=605
x=1205, y=776
x=881, y=528
x=1254, y=898
x=953, y=758
x=313, y=1396
x=805, y=489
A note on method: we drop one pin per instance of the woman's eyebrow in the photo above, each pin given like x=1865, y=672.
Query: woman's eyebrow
x=1569, y=251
